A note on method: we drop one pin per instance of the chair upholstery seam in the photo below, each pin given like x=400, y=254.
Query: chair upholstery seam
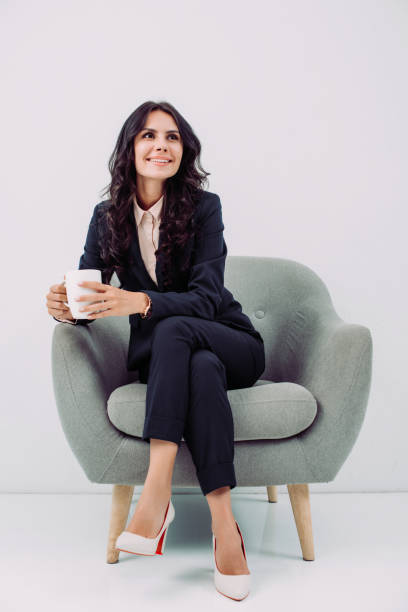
x=113, y=457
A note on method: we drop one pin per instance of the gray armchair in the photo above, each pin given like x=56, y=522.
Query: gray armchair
x=296, y=425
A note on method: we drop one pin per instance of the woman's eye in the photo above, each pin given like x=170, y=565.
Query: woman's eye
x=171, y=135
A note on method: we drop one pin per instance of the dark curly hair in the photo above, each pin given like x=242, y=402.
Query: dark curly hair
x=181, y=195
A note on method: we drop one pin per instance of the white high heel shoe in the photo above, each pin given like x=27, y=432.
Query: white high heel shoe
x=140, y=545
x=234, y=586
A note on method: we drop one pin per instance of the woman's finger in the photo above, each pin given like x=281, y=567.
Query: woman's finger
x=95, y=285
x=86, y=303
x=54, y=298
x=107, y=304
x=58, y=289
x=56, y=312
x=59, y=305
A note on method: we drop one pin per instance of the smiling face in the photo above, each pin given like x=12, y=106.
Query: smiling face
x=159, y=138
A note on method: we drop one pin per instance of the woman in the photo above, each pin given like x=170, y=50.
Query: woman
x=162, y=233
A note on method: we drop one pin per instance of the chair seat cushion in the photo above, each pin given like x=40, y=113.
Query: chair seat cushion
x=267, y=410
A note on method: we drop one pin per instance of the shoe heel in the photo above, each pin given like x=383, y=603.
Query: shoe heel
x=162, y=543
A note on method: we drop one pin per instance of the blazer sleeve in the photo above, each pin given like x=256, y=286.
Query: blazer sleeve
x=206, y=281
x=74, y=322
x=90, y=259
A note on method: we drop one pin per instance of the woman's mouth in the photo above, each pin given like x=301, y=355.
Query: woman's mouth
x=159, y=162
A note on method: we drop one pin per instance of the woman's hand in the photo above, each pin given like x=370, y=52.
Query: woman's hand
x=55, y=302
x=115, y=302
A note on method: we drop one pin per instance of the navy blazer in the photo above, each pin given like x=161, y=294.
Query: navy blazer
x=198, y=293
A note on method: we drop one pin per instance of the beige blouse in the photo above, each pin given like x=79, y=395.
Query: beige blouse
x=148, y=223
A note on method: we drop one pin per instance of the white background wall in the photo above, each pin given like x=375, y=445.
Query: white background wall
x=301, y=109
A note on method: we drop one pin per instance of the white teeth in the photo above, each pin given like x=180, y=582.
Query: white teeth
x=158, y=161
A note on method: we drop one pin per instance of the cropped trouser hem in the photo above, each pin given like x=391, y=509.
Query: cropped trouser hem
x=216, y=476
x=163, y=428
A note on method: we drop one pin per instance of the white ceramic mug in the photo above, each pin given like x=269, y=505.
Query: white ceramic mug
x=72, y=277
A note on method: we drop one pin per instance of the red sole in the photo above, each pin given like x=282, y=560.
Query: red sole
x=133, y=553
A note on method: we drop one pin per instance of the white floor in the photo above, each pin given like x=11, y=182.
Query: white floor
x=54, y=556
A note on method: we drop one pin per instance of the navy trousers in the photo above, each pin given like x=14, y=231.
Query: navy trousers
x=192, y=364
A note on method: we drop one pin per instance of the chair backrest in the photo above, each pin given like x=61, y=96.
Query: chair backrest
x=284, y=300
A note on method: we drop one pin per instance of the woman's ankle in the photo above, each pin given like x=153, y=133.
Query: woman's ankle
x=224, y=524
x=156, y=491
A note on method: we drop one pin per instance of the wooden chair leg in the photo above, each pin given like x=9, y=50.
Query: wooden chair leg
x=121, y=500
x=300, y=501
x=272, y=491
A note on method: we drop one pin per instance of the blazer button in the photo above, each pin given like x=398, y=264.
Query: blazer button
x=259, y=314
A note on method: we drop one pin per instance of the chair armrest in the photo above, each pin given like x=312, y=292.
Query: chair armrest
x=333, y=360
x=88, y=363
